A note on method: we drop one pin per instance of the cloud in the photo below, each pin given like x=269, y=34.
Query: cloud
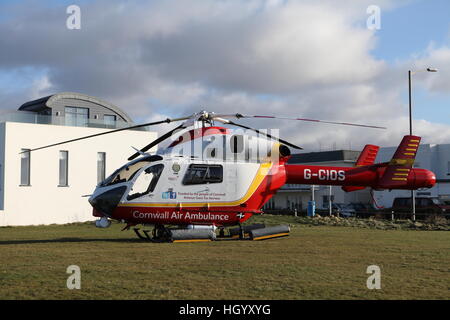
x=433, y=57
x=170, y=58
x=40, y=87
x=281, y=50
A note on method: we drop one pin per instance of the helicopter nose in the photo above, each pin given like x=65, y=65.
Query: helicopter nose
x=107, y=201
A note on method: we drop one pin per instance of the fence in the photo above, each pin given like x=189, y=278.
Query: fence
x=386, y=215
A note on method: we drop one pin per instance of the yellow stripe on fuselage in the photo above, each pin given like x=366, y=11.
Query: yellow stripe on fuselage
x=257, y=180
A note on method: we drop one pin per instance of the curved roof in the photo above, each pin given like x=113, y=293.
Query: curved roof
x=50, y=100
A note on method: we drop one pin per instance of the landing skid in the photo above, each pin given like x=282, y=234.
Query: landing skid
x=253, y=232
x=256, y=232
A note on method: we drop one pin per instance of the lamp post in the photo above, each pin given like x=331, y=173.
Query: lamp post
x=410, y=73
x=330, y=204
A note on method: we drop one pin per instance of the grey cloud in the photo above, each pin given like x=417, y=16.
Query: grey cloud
x=279, y=51
x=165, y=58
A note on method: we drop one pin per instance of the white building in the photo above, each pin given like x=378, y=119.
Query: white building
x=47, y=186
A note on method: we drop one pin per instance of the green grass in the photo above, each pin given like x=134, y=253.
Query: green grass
x=314, y=262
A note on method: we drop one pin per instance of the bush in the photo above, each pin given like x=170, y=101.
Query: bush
x=436, y=220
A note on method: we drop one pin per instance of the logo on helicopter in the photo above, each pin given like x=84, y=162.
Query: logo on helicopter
x=169, y=195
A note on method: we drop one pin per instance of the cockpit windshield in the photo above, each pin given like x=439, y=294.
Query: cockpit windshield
x=127, y=172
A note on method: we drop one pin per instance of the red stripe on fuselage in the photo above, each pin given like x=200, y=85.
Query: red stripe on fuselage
x=173, y=216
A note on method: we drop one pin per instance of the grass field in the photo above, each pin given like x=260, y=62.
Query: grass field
x=315, y=262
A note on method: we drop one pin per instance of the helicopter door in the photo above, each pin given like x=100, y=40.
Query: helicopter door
x=146, y=182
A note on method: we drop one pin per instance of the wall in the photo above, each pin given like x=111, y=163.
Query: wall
x=44, y=202
x=2, y=165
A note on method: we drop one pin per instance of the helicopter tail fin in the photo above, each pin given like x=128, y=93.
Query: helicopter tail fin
x=398, y=169
x=366, y=158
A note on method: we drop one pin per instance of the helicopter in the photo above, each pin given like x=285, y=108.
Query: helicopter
x=210, y=177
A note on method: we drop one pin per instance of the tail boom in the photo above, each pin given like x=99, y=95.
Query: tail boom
x=395, y=174
x=358, y=178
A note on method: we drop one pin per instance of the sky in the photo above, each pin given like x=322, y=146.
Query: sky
x=329, y=60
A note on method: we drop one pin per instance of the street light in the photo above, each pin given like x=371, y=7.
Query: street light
x=413, y=199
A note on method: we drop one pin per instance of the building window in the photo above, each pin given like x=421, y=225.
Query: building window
x=101, y=166
x=76, y=116
x=25, y=160
x=270, y=205
x=63, y=168
x=326, y=201
x=110, y=120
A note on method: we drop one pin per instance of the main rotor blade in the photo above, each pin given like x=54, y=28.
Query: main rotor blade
x=155, y=142
x=239, y=116
x=108, y=132
x=259, y=132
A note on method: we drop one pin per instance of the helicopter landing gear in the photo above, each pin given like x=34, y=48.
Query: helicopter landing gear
x=162, y=234
x=159, y=234
x=241, y=232
x=140, y=236
x=249, y=232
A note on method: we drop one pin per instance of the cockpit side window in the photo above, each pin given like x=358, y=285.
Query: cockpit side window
x=146, y=181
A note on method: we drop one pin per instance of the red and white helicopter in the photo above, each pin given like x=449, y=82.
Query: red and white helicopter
x=212, y=177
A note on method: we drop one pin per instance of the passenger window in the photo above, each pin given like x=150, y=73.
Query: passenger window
x=200, y=174
x=146, y=182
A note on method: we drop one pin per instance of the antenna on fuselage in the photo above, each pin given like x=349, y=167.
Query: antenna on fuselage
x=140, y=152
